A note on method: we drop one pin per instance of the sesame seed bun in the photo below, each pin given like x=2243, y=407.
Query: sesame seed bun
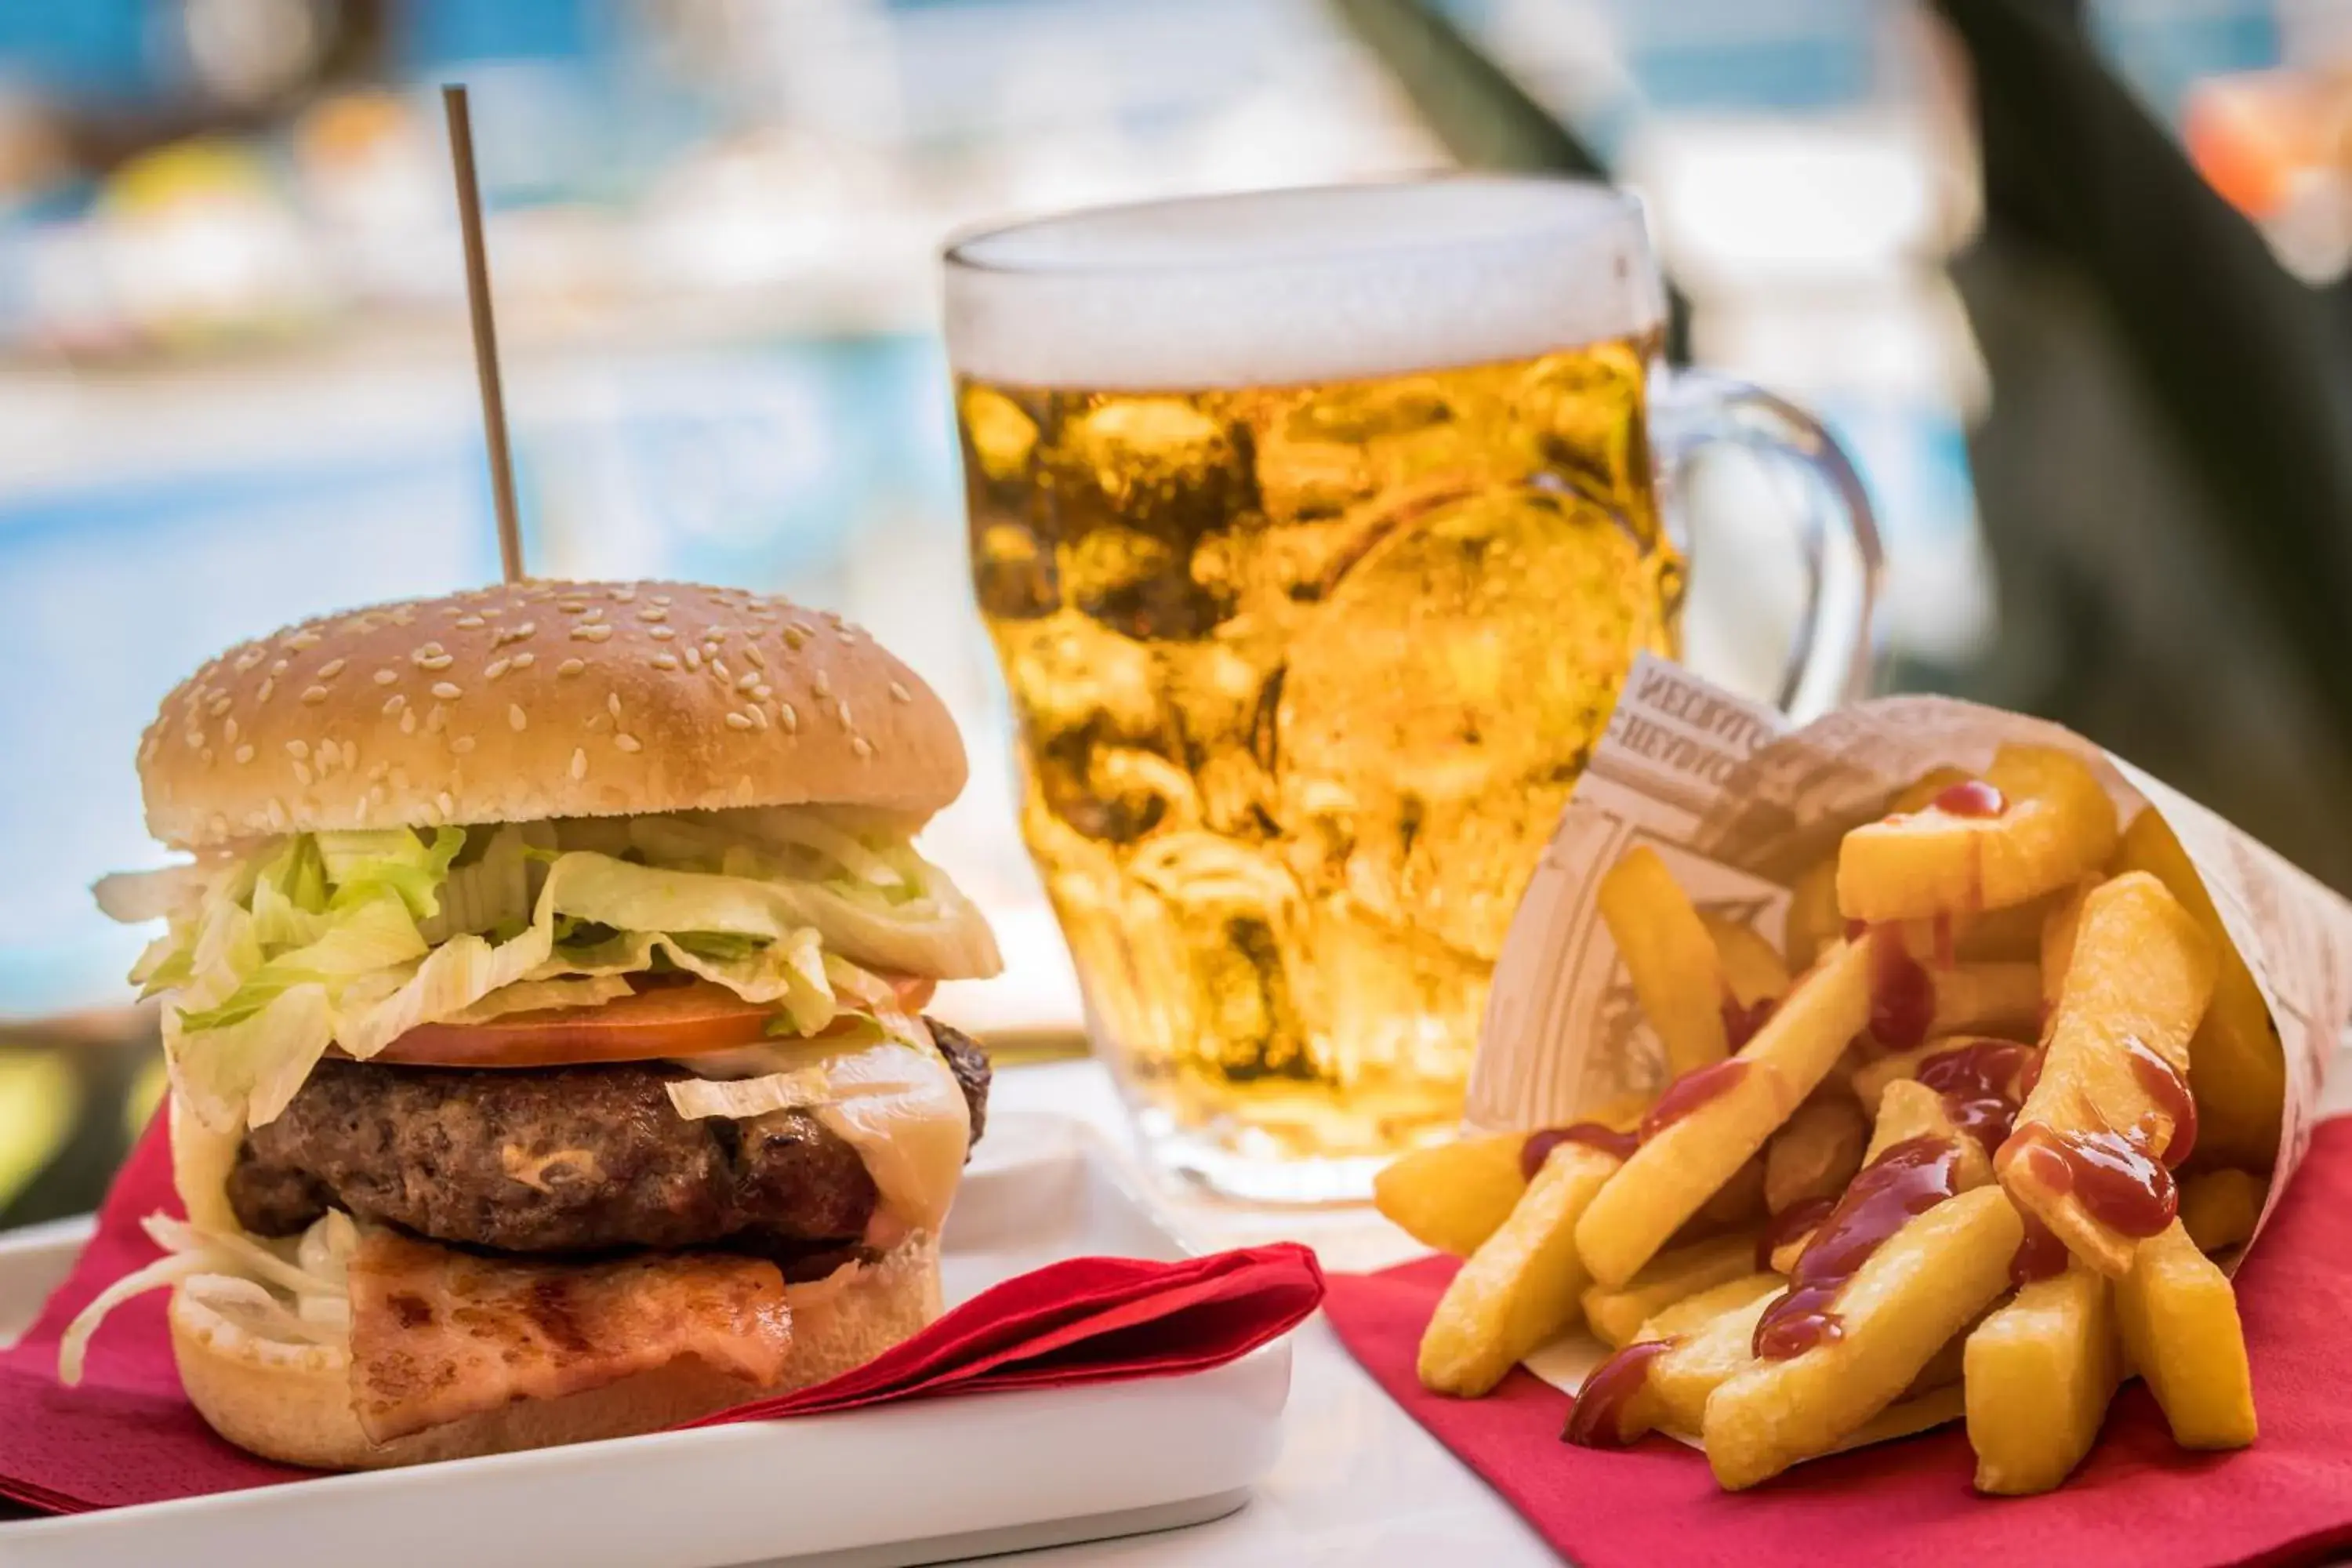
x=539, y=700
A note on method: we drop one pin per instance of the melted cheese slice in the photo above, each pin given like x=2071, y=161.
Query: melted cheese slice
x=896, y=1103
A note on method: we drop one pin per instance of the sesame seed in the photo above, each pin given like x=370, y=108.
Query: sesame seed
x=393, y=704
x=899, y=694
x=386, y=676
x=612, y=703
x=863, y=747
x=471, y=621
x=269, y=685
x=624, y=595
x=664, y=661
x=596, y=613
x=303, y=772
x=437, y=662
x=408, y=722
x=821, y=684
x=462, y=746
x=592, y=631
x=693, y=657
x=314, y=694
x=571, y=607
x=580, y=762
x=196, y=739
x=244, y=753
x=449, y=807
x=331, y=668
x=661, y=599
x=429, y=651
x=217, y=706
x=737, y=721
x=571, y=667
x=800, y=629
x=762, y=691
x=436, y=721
x=628, y=742
x=276, y=667
x=228, y=732
x=448, y=691
x=277, y=813
x=599, y=722
x=652, y=615
x=660, y=634
x=841, y=712
x=748, y=680
x=495, y=667
x=516, y=717
x=790, y=716
x=759, y=718
x=305, y=638
x=297, y=750
x=360, y=809
x=794, y=635
x=248, y=659
x=525, y=660
x=753, y=655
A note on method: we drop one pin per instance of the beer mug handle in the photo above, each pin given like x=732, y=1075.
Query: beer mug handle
x=1830, y=655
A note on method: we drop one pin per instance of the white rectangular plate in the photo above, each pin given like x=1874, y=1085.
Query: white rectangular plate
x=920, y=1482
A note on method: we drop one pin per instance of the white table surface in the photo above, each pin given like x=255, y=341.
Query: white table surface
x=1357, y=1482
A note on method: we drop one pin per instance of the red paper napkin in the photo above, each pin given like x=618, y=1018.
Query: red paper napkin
x=127, y=1436
x=2136, y=1503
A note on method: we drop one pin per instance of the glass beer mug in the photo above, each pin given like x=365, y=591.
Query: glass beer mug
x=1316, y=531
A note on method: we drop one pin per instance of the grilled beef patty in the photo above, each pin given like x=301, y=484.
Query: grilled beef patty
x=560, y=1160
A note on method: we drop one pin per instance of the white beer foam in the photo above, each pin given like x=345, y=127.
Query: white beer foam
x=1283, y=287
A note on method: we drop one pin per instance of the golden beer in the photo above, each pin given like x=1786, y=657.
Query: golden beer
x=1316, y=531
x=1304, y=675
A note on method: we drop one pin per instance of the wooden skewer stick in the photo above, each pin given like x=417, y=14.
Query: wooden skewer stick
x=485, y=335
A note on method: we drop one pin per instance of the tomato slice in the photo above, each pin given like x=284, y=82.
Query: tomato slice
x=667, y=1021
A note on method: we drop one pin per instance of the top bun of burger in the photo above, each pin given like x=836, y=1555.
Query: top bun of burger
x=538, y=699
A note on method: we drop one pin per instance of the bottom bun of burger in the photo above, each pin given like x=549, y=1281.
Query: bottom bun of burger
x=292, y=1402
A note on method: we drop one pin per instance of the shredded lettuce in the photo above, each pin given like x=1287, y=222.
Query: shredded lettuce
x=349, y=939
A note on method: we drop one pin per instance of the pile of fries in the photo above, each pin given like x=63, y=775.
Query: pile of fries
x=1971, y=1163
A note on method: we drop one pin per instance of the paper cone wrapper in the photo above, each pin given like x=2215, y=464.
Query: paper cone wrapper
x=1740, y=803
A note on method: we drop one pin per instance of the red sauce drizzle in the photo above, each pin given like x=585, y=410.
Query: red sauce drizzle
x=1902, y=994
x=1804, y=1214
x=2041, y=1255
x=2030, y=1075
x=1597, y=1419
x=2111, y=1173
x=1855, y=928
x=1740, y=1023
x=1591, y=1134
x=1971, y=797
x=2162, y=1083
x=1908, y=1179
x=1690, y=1091
x=1974, y=1080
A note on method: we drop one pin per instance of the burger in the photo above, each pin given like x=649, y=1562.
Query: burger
x=542, y=1002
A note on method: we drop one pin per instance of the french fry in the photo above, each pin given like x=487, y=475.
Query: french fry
x=1452, y=1196
x=2012, y=934
x=1682, y=1164
x=2237, y=1069
x=2039, y=1371
x=1752, y=968
x=2218, y=1208
x=1694, y=1312
x=1939, y=1406
x=1672, y=959
x=1918, y=795
x=1908, y=1108
x=1813, y=922
x=1815, y=1154
x=1705, y=1358
x=1615, y=1317
x=2138, y=981
x=1871, y=1079
x=2057, y=822
x=1738, y=1202
x=1924, y=1284
x=1987, y=998
x=2181, y=1327
x=2058, y=929
x=1520, y=1287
